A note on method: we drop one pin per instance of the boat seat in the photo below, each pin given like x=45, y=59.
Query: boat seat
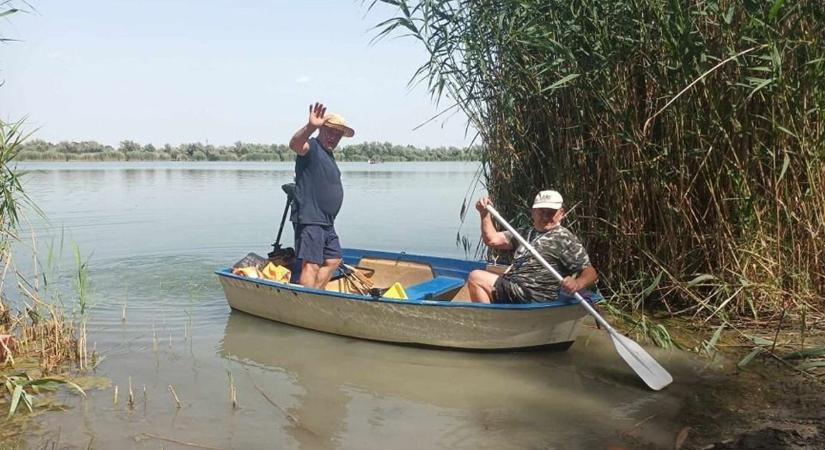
x=433, y=288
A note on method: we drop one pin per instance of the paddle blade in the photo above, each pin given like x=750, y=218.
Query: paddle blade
x=651, y=372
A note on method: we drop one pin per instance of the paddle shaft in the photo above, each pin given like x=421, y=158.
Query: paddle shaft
x=547, y=266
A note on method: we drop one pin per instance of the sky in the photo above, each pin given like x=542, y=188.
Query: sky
x=215, y=71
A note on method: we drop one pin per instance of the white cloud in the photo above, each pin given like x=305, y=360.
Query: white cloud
x=303, y=79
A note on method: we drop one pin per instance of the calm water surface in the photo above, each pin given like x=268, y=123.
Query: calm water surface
x=155, y=232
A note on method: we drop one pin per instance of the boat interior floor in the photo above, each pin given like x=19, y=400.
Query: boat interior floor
x=419, y=280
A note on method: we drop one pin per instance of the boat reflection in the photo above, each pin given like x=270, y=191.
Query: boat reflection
x=345, y=392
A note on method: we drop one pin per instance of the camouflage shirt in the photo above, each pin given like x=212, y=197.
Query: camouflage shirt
x=559, y=247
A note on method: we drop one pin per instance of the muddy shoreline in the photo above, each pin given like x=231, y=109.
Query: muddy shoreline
x=767, y=407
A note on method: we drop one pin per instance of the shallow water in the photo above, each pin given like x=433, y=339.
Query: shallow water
x=155, y=232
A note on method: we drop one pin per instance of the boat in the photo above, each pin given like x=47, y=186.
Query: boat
x=436, y=311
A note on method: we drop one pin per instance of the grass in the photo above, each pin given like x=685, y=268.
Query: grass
x=44, y=343
x=687, y=137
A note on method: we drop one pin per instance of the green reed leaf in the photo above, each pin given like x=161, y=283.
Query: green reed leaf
x=749, y=357
x=785, y=164
x=777, y=5
x=810, y=365
x=701, y=279
x=810, y=353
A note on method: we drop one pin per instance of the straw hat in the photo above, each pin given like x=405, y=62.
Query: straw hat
x=337, y=122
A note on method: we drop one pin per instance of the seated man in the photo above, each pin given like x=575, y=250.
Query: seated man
x=527, y=280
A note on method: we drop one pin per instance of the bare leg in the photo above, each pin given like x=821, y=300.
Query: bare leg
x=325, y=272
x=309, y=273
x=481, y=286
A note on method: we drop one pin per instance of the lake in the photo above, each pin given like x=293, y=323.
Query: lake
x=153, y=235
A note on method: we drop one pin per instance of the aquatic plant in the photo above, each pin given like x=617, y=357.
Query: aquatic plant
x=12, y=195
x=39, y=331
x=687, y=137
x=40, y=326
x=22, y=387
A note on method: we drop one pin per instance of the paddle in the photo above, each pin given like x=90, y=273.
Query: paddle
x=653, y=374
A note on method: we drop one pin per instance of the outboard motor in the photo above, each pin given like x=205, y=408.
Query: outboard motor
x=278, y=255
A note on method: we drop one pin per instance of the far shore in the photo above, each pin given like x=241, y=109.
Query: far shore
x=229, y=160
x=373, y=152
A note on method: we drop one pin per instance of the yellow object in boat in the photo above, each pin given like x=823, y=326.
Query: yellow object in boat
x=276, y=272
x=396, y=291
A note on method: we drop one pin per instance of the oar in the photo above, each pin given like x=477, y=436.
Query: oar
x=653, y=374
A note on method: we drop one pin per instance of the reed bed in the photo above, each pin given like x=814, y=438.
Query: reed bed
x=688, y=139
x=40, y=340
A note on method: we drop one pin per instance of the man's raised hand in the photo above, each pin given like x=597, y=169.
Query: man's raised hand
x=316, y=115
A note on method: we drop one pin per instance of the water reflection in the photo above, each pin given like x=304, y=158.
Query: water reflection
x=345, y=390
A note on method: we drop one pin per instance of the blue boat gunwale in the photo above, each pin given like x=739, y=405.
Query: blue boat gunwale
x=447, y=266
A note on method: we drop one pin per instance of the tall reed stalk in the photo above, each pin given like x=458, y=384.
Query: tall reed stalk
x=688, y=138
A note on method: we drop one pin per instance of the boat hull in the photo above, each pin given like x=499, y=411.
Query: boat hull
x=421, y=322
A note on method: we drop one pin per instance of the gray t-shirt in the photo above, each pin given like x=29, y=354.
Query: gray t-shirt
x=561, y=248
x=318, y=189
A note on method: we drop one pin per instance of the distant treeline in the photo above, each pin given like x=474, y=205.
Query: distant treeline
x=132, y=151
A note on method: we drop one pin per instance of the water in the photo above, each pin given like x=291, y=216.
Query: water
x=154, y=233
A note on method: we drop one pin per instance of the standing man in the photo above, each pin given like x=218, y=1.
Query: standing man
x=527, y=280
x=318, y=195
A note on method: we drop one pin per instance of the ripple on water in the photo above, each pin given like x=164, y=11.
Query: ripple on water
x=159, y=295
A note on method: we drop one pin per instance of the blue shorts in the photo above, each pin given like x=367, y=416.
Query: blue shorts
x=316, y=243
